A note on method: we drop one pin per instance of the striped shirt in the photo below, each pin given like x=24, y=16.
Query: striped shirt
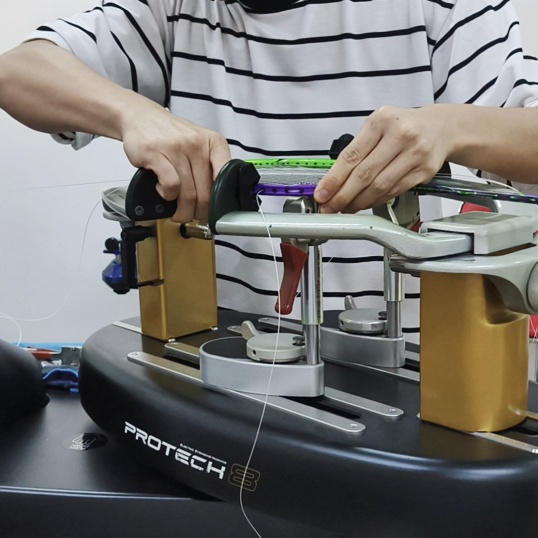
x=287, y=83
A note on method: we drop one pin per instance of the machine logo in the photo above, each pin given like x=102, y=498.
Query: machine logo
x=243, y=477
x=85, y=441
x=193, y=458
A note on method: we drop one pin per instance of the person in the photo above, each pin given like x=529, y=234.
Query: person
x=187, y=84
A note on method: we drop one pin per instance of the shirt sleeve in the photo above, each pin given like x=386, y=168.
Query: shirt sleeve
x=126, y=41
x=478, y=58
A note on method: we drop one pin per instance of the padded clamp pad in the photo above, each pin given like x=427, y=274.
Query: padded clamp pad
x=21, y=387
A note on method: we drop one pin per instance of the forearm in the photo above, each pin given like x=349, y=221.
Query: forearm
x=49, y=89
x=501, y=141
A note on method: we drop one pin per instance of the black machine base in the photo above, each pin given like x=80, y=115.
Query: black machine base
x=62, y=476
x=398, y=478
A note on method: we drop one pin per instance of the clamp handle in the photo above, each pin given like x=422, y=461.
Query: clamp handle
x=143, y=202
x=294, y=260
x=233, y=190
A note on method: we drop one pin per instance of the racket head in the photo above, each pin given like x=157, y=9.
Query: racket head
x=290, y=177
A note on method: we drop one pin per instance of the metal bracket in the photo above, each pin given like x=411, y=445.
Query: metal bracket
x=192, y=375
x=371, y=350
x=223, y=363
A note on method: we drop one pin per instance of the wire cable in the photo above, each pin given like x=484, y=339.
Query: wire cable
x=16, y=320
x=264, y=407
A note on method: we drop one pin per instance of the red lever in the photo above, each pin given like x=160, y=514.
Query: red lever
x=294, y=259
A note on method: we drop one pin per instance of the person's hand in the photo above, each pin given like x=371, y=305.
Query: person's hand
x=52, y=90
x=185, y=157
x=395, y=150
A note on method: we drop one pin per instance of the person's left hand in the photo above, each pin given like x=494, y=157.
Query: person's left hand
x=394, y=150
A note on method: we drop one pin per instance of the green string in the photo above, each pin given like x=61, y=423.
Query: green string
x=292, y=163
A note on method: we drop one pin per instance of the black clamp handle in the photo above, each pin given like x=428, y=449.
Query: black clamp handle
x=233, y=190
x=143, y=202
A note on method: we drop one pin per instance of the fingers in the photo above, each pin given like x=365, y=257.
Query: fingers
x=382, y=190
x=194, y=170
x=178, y=183
x=196, y=186
x=186, y=158
x=358, y=179
x=204, y=172
x=352, y=161
x=219, y=153
x=395, y=150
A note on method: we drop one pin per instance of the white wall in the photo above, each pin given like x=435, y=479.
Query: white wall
x=51, y=242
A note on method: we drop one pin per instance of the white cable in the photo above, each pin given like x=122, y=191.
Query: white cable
x=262, y=416
x=17, y=319
x=15, y=322
x=71, y=289
x=73, y=185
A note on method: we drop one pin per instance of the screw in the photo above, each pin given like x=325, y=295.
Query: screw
x=298, y=340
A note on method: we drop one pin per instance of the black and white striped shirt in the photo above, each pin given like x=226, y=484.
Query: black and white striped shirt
x=287, y=83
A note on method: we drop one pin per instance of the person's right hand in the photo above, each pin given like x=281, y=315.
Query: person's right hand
x=185, y=157
x=394, y=150
x=49, y=89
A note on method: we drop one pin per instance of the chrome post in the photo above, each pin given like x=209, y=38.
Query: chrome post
x=312, y=304
x=394, y=296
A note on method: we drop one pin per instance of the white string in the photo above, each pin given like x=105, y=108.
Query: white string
x=63, y=186
x=16, y=319
x=17, y=324
x=264, y=407
x=71, y=289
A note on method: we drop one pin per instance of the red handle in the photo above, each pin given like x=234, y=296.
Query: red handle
x=294, y=259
